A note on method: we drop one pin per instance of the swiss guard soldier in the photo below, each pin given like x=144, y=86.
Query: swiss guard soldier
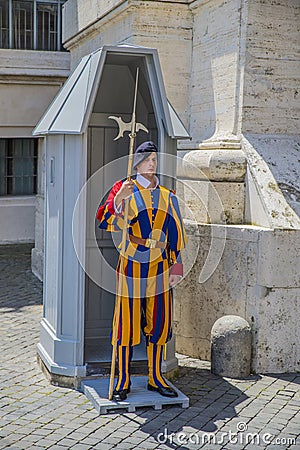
x=152, y=265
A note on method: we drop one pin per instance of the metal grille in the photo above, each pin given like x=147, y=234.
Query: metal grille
x=47, y=26
x=31, y=25
x=4, y=24
x=18, y=166
x=23, y=25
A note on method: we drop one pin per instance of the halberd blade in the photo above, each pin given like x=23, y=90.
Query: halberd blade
x=123, y=126
x=140, y=126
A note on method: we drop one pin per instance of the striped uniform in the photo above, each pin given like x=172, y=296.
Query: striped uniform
x=146, y=299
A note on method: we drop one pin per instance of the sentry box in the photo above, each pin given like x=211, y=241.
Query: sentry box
x=82, y=163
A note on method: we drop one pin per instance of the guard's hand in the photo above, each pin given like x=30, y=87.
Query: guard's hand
x=125, y=192
x=174, y=279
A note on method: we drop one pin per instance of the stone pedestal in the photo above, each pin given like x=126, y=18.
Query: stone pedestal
x=213, y=182
x=231, y=347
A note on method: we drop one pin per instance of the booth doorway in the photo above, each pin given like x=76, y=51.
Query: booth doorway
x=114, y=97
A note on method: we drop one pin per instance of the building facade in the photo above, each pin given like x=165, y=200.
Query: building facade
x=33, y=66
x=231, y=70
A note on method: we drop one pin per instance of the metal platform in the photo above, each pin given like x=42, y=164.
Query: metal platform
x=97, y=392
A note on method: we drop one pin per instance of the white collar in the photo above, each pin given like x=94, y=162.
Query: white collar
x=145, y=182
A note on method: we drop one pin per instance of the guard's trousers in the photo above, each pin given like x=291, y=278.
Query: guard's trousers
x=145, y=302
x=155, y=377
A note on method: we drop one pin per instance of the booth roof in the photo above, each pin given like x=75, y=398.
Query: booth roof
x=70, y=110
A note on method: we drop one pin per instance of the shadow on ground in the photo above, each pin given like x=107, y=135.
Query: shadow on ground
x=213, y=402
x=288, y=377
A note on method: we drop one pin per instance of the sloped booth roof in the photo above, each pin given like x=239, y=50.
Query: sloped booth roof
x=70, y=111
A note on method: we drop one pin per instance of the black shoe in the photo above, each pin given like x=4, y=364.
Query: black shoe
x=165, y=391
x=119, y=396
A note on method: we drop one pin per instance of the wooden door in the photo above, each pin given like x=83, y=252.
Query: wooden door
x=99, y=304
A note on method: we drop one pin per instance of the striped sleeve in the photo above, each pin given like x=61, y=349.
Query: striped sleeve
x=176, y=236
x=109, y=218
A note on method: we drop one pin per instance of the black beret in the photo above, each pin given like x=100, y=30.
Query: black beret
x=142, y=152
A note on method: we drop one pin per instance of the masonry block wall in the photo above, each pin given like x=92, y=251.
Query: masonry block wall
x=215, y=78
x=231, y=70
x=166, y=26
x=272, y=67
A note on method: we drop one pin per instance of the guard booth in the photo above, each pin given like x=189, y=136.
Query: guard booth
x=82, y=163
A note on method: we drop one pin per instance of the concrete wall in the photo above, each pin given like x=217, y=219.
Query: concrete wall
x=17, y=221
x=29, y=80
x=265, y=202
x=216, y=87
x=202, y=55
x=272, y=67
x=223, y=76
x=166, y=26
x=253, y=270
x=257, y=278
x=230, y=68
x=213, y=187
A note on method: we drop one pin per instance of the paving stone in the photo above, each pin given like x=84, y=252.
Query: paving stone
x=36, y=447
x=292, y=430
x=14, y=447
x=81, y=447
x=36, y=415
x=90, y=441
x=150, y=445
x=102, y=447
x=66, y=442
x=56, y=447
x=124, y=446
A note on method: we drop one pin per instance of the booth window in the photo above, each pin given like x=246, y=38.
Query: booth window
x=31, y=25
x=18, y=166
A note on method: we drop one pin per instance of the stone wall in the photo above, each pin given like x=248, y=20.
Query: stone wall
x=224, y=77
x=215, y=77
x=230, y=68
x=256, y=278
x=272, y=67
x=166, y=26
x=213, y=187
x=268, y=170
x=200, y=53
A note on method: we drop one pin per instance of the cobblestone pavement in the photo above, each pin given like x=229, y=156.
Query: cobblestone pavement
x=36, y=415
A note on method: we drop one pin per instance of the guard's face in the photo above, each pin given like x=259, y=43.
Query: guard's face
x=149, y=165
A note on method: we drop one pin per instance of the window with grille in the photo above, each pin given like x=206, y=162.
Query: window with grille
x=31, y=25
x=4, y=24
x=18, y=166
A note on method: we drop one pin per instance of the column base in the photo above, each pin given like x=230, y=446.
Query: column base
x=230, y=142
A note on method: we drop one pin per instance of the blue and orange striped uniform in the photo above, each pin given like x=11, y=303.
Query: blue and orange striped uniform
x=146, y=299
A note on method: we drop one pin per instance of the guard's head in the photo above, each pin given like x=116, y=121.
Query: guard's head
x=142, y=152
